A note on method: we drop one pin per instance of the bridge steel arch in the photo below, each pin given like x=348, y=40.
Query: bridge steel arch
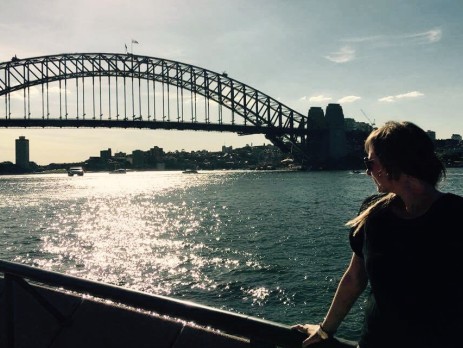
x=261, y=113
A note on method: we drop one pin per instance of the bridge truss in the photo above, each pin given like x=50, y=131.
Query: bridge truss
x=131, y=91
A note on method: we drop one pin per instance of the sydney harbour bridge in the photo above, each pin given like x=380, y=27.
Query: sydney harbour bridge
x=108, y=90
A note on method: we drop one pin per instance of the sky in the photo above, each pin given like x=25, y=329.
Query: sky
x=381, y=60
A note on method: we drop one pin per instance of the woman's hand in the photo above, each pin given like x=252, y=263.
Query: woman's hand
x=311, y=331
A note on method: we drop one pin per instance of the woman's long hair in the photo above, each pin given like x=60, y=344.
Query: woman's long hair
x=402, y=148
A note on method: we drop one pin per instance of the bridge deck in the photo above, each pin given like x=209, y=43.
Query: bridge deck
x=139, y=124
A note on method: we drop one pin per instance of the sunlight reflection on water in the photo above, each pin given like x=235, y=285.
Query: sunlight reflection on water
x=268, y=244
x=139, y=228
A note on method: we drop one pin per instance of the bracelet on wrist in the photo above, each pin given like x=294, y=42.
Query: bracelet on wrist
x=324, y=335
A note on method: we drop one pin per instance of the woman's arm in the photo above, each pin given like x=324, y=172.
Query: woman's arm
x=351, y=286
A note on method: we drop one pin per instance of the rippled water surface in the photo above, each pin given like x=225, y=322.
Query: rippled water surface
x=266, y=244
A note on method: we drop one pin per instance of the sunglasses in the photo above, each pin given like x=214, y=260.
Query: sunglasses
x=368, y=163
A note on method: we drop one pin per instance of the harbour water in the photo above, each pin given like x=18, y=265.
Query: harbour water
x=266, y=244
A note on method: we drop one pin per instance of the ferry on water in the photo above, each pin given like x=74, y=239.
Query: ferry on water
x=79, y=171
x=118, y=171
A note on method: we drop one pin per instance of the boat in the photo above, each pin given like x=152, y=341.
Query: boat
x=190, y=171
x=118, y=171
x=42, y=308
x=79, y=171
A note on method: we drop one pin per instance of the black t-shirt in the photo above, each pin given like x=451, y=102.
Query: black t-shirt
x=414, y=270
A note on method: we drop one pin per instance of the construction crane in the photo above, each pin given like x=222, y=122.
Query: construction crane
x=369, y=121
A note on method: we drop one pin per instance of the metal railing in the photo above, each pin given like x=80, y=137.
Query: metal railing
x=261, y=333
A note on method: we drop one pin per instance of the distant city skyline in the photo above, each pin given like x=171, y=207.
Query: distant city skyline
x=104, y=141
x=389, y=60
x=52, y=146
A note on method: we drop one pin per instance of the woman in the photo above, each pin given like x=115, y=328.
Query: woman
x=406, y=245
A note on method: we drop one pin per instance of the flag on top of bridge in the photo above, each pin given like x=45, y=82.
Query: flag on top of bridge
x=134, y=41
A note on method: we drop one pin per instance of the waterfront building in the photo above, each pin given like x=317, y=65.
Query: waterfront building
x=120, y=156
x=351, y=124
x=431, y=134
x=22, y=152
x=94, y=163
x=106, y=154
x=156, y=154
x=227, y=149
x=138, y=159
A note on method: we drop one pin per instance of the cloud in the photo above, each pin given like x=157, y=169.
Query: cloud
x=348, y=99
x=430, y=36
x=35, y=93
x=388, y=99
x=413, y=94
x=319, y=99
x=322, y=99
x=394, y=98
x=363, y=39
x=426, y=37
x=31, y=92
x=344, y=55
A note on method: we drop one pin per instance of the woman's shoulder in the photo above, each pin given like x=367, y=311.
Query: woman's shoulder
x=449, y=207
x=371, y=200
x=451, y=199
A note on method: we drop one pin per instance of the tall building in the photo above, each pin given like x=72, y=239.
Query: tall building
x=138, y=159
x=22, y=152
x=106, y=154
x=431, y=134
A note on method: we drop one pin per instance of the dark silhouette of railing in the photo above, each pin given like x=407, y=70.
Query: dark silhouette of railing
x=261, y=333
x=132, y=91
